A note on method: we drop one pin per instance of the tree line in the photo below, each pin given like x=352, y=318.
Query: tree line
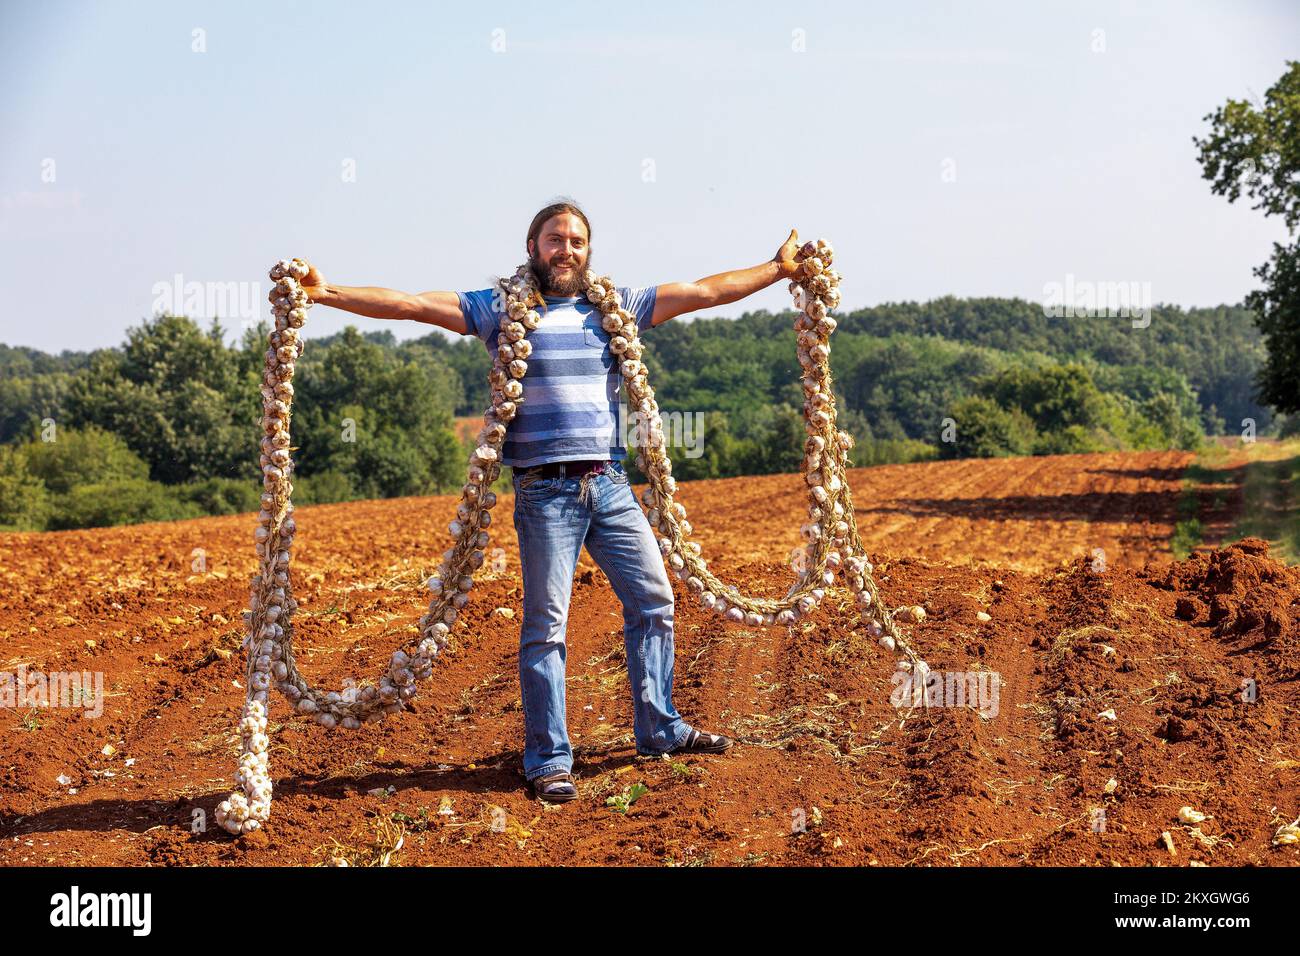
x=165, y=426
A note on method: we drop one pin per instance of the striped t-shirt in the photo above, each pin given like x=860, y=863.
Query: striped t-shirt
x=572, y=388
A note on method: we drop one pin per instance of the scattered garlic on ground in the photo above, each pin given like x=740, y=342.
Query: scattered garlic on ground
x=911, y=615
x=1108, y=714
x=1188, y=815
x=1111, y=784
x=1169, y=842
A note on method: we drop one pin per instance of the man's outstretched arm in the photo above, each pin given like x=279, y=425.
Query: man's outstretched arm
x=434, y=308
x=677, y=298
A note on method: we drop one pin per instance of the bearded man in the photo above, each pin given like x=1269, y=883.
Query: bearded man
x=565, y=447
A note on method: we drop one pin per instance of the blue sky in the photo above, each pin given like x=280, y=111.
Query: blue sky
x=944, y=148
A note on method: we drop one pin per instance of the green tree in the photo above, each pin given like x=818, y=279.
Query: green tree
x=986, y=430
x=181, y=398
x=362, y=411
x=1255, y=149
x=1054, y=398
x=1173, y=428
x=24, y=500
x=721, y=451
x=26, y=401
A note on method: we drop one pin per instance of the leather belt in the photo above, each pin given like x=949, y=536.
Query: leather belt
x=567, y=469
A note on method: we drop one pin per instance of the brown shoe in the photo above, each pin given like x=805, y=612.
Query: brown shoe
x=555, y=787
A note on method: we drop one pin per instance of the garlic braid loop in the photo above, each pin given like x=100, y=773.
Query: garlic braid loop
x=269, y=620
x=832, y=544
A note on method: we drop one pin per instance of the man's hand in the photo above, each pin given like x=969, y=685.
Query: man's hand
x=785, y=256
x=312, y=282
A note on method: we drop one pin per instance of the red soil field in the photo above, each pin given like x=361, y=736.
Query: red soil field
x=1047, y=777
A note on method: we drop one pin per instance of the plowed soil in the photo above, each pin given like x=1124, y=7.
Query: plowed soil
x=1130, y=686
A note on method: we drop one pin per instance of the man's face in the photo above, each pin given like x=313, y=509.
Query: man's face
x=560, y=255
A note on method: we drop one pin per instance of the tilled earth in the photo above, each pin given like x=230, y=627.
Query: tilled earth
x=1128, y=686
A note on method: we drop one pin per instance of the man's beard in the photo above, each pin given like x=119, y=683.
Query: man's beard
x=552, y=282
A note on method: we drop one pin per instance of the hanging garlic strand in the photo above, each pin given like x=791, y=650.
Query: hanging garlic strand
x=832, y=543
x=831, y=535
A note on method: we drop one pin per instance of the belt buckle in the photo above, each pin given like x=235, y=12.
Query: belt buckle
x=585, y=465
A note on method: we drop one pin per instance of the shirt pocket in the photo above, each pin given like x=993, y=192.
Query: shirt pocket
x=593, y=338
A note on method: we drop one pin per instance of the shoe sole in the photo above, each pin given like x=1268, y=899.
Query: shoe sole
x=697, y=750
x=556, y=798
x=553, y=797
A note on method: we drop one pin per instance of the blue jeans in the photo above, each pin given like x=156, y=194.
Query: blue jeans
x=554, y=518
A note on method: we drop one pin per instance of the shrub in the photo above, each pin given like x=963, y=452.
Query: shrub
x=1071, y=440
x=124, y=501
x=223, y=496
x=323, y=488
x=890, y=451
x=82, y=457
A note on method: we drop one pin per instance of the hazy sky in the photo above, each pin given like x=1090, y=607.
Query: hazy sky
x=963, y=148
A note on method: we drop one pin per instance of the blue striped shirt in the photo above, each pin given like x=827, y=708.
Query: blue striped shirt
x=572, y=389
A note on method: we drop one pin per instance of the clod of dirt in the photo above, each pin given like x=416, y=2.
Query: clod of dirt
x=1176, y=730
x=1249, y=595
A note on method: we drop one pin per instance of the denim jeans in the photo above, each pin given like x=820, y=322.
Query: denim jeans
x=554, y=518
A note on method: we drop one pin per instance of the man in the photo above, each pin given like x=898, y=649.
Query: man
x=566, y=449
